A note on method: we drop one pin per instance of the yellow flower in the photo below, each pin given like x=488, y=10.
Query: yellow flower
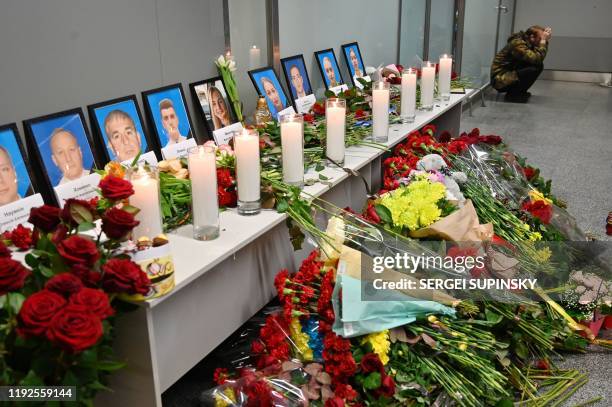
x=300, y=339
x=380, y=344
x=543, y=255
x=536, y=195
x=535, y=236
x=225, y=399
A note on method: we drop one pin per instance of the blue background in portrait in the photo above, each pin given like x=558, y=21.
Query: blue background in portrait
x=330, y=55
x=128, y=107
x=347, y=52
x=42, y=134
x=8, y=141
x=179, y=107
x=269, y=73
x=300, y=66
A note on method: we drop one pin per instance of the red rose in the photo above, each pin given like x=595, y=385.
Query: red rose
x=115, y=188
x=124, y=276
x=319, y=109
x=539, y=209
x=37, y=311
x=334, y=402
x=77, y=211
x=86, y=275
x=371, y=363
x=45, y=218
x=21, y=237
x=12, y=275
x=64, y=284
x=117, y=223
x=227, y=198
x=59, y=234
x=78, y=250
x=95, y=301
x=400, y=68
x=529, y=172
x=74, y=329
x=387, y=386
x=491, y=139
x=360, y=113
x=224, y=178
x=309, y=118
x=5, y=251
x=454, y=75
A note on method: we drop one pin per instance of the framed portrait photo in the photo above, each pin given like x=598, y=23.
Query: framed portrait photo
x=166, y=109
x=330, y=71
x=215, y=109
x=62, y=153
x=298, y=82
x=18, y=190
x=118, y=129
x=267, y=84
x=354, y=62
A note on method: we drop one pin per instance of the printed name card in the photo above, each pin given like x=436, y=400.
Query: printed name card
x=288, y=110
x=82, y=188
x=18, y=212
x=358, y=84
x=304, y=104
x=178, y=149
x=339, y=88
x=148, y=158
x=225, y=134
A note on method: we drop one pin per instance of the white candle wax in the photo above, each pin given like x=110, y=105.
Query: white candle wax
x=246, y=148
x=203, y=176
x=146, y=198
x=444, y=75
x=408, y=104
x=428, y=76
x=254, y=57
x=292, y=152
x=380, y=114
x=335, y=118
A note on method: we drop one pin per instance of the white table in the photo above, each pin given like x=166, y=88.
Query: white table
x=222, y=283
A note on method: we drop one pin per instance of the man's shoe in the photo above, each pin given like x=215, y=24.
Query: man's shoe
x=516, y=98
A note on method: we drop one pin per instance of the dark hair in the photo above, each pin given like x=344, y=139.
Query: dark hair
x=534, y=29
x=165, y=104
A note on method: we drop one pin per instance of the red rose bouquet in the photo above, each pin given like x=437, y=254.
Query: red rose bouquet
x=58, y=308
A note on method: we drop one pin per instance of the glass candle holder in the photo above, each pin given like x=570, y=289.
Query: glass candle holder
x=408, y=102
x=246, y=148
x=444, y=76
x=335, y=120
x=202, y=162
x=428, y=78
x=145, y=181
x=292, y=148
x=380, y=111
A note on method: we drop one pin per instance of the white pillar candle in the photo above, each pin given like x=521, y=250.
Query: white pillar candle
x=203, y=176
x=444, y=76
x=335, y=119
x=428, y=76
x=408, y=104
x=380, y=111
x=246, y=146
x=146, y=199
x=254, y=57
x=292, y=146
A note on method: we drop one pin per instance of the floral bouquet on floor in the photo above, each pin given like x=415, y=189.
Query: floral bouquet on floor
x=57, y=310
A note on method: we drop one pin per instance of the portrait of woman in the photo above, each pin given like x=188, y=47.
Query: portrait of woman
x=215, y=108
x=354, y=62
x=218, y=106
x=267, y=84
x=328, y=65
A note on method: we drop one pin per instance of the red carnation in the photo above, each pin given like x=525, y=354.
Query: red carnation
x=387, y=386
x=64, y=284
x=74, y=329
x=539, y=209
x=309, y=118
x=21, y=237
x=224, y=178
x=220, y=375
x=319, y=109
x=115, y=188
x=430, y=128
x=124, y=276
x=95, y=301
x=78, y=250
x=371, y=214
x=360, y=114
x=445, y=136
x=118, y=223
x=529, y=172
x=334, y=402
x=227, y=198
x=37, y=311
x=491, y=139
x=12, y=275
x=45, y=218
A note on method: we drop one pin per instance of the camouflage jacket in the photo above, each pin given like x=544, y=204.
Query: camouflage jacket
x=517, y=53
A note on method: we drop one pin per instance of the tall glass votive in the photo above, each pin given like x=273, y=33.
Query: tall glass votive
x=428, y=78
x=408, y=102
x=335, y=120
x=444, y=76
x=202, y=162
x=246, y=148
x=145, y=181
x=292, y=148
x=380, y=111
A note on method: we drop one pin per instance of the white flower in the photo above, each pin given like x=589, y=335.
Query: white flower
x=220, y=61
x=232, y=66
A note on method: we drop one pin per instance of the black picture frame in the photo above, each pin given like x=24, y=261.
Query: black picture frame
x=151, y=118
x=202, y=113
x=38, y=165
x=322, y=70
x=34, y=183
x=287, y=75
x=348, y=62
x=253, y=75
x=98, y=132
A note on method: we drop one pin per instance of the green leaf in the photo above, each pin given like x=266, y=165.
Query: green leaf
x=88, y=358
x=81, y=214
x=130, y=209
x=504, y=403
x=109, y=365
x=282, y=206
x=45, y=271
x=31, y=379
x=492, y=316
x=372, y=381
x=15, y=300
x=31, y=260
x=85, y=226
x=319, y=167
x=384, y=213
x=323, y=177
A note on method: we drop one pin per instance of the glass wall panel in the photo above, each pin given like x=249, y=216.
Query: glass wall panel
x=480, y=28
x=441, y=28
x=412, y=31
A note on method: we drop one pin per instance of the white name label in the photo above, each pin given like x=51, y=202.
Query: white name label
x=365, y=78
x=18, y=212
x=287, y=110
x=304, y=104
x=225, y=134
x=148, y=158
x=82, y=188
x=339, y=88
x=178, y=149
